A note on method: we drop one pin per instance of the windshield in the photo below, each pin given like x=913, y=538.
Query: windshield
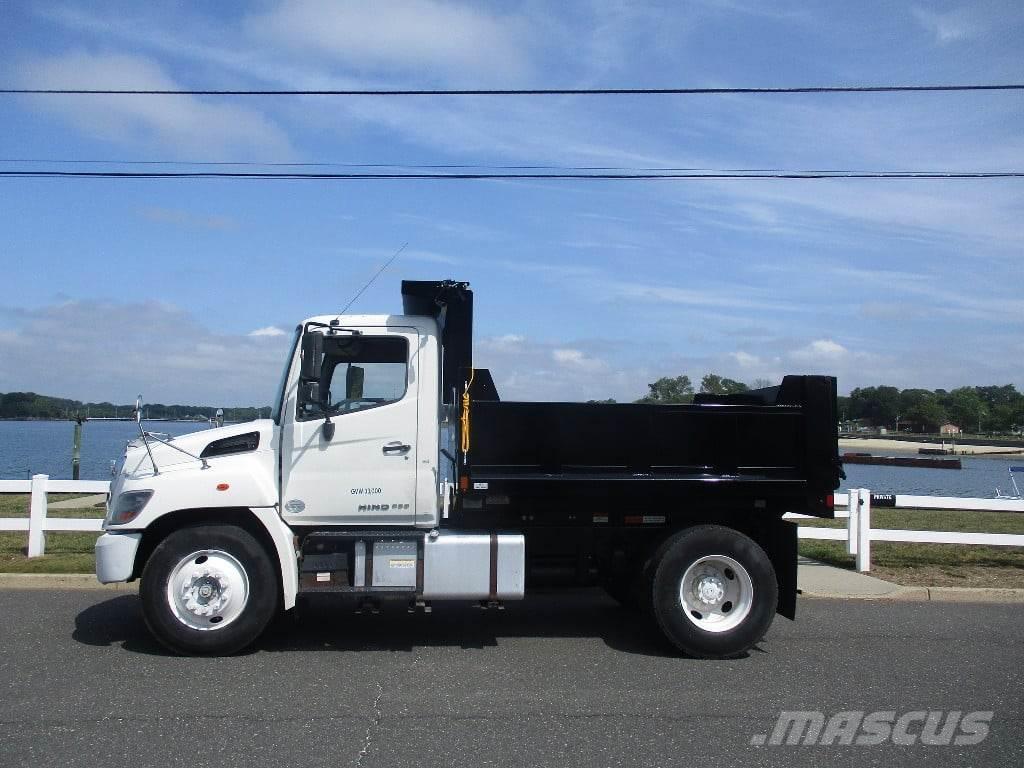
x=275, y=414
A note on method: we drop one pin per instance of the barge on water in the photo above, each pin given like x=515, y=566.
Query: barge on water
x=901, y=461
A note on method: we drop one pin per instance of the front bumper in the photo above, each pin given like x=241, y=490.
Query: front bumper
x=115, y=556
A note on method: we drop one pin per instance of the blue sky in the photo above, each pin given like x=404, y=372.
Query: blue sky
x=183, y=289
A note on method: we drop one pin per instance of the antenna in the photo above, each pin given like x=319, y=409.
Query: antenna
x=375, y=276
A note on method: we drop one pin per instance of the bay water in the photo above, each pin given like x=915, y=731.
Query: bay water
x=44, y=447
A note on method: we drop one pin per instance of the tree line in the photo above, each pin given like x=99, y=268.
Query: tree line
x=679, y=389
x=991, y=409
x=29, y=405
x=995, y=409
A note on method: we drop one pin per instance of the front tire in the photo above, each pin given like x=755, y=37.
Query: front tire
x=208, y=590
x=713, y=592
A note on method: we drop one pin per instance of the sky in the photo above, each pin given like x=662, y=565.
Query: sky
x=187, y=291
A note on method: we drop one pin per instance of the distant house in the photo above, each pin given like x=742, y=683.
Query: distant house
x=949, y=429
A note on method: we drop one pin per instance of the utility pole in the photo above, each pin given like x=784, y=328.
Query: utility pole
x=76, y=448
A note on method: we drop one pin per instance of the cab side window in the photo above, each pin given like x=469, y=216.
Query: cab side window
x=360, y=372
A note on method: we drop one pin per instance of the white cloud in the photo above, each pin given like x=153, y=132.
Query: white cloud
x=409, y=254
x=820, y=350
x=103, y=350
x=957, y=24
x=728, y=297
x=422, y=36
x=575, y=358
x=528, y=369
x=270, y=330
x=746, y=360
x=186, y=125
x=188, y=219
x=508, y=339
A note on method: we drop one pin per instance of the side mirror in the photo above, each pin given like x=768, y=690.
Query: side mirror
x=312, y=357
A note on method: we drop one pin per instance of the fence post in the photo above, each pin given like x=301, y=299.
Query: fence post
x=864, y=532
x=37, y=516
x=853, y=507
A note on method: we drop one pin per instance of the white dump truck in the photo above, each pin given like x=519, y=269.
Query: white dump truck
x=391, y=469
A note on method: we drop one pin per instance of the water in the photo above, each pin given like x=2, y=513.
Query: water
x=44, y=447
x=979, y=477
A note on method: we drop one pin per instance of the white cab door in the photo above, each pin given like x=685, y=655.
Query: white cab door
x=366, y=473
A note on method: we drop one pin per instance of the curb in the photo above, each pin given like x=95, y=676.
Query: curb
x=62, y=581
x=931, y=594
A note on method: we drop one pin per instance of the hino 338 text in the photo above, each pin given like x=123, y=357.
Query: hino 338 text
x=390, y=469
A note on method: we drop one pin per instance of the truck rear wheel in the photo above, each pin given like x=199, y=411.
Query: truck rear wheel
x=713, y=591
x=208, y=589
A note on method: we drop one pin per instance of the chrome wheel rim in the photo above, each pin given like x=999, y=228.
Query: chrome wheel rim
x=716, y=593
x=208, y=589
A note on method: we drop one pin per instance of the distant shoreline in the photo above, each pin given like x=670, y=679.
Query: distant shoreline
x=872, y=444
x=108, y=419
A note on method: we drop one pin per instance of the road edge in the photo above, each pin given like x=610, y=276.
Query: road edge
x=930, y=594
x=62, y=581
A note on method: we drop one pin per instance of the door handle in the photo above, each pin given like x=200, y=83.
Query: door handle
x=396, y=447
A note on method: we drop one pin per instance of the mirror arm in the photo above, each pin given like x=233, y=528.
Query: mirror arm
x=145, y=435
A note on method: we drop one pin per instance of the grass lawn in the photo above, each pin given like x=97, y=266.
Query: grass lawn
x=933, y=565
x=65, y=552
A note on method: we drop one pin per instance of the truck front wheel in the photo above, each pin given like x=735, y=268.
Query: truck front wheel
x=713, y=591
x=208, y=589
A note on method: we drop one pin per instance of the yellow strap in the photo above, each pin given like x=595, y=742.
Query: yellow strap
x=465, y=413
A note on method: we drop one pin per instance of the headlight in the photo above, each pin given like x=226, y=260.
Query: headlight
x=128, y=506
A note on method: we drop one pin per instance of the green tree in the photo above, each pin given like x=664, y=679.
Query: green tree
x=879, y=405
x=1004, y=405
x=667, y=389
x=966, y=408
x=713, y=384
x=927, y=414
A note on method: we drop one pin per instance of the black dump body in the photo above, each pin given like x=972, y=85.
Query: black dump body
x=759, y=453
x=764, y=452
x=598, y=487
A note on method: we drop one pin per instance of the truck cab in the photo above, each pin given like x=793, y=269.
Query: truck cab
x=391, y=469
x=360, y=430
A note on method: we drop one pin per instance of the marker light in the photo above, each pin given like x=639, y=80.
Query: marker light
x=128, y=506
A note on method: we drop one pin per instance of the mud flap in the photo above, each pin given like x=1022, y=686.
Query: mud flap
x=780, y=543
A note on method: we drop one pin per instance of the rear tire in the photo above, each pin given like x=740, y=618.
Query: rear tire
x=208, y=590
x=713, y=591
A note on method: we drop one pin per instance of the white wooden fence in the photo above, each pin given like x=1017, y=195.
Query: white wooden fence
x=37, y=523
x=855, y=506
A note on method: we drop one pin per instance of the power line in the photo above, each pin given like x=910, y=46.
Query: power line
x=556, y=176
x=329, y=164
x=515, y=91
x=454, y=166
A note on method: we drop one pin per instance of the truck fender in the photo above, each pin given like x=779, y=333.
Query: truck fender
x=284, y=544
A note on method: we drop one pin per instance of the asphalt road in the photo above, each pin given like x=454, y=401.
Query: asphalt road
x=560, y=680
